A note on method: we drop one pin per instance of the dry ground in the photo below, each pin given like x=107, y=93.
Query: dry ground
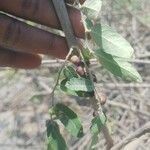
x=24, y=94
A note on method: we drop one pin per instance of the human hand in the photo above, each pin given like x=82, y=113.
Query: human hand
x=21, y=44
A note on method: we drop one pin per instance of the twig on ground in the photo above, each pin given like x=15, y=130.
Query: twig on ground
x=125, y=85
x=124, y=106
x=143, y=130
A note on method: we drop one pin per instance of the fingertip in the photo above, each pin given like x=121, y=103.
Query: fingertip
x=18, y=60
x=27, y=61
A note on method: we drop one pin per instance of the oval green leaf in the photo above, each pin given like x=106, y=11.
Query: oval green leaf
x=117, y=66
x=111, y=42
x=72, y=92
x=80, y=84
x=94, y=142
x=97, y=123
x=69, y=72
x=91, y=9
x=69, y=119
x=55, y=141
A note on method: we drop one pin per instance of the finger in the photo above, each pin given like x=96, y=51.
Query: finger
x=43, y=12
x=18, y=60
x=25, y=38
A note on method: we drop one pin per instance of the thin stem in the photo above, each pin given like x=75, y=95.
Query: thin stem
x=98, y=108
x=59, y=73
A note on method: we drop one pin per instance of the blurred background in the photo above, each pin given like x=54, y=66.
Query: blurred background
x=25, y=94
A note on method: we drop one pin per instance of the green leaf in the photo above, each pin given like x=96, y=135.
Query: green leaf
x=54, y=137
x=65, y=89
x=91, y=9
x=69, y=72
x=94, y=142
x=97, y=123
x=72, y=92
x=69, y=119
x=111, y=42
x=80, y=84
x=117, y=66
x=88, y=24
x=87, y=54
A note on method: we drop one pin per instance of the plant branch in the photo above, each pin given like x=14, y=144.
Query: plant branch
x=59, y=73
x=98, y=107
x=62, y=13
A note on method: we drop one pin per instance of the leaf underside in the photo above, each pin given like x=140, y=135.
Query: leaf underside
x=97, y=123
x=55, y=141
x=69, y=119
x=91, y=9
x=74, y=92
x=113, y=51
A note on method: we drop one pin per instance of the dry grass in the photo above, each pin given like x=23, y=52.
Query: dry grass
x=24, y=95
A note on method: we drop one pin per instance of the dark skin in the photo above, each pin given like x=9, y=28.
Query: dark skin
x=21, y=44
